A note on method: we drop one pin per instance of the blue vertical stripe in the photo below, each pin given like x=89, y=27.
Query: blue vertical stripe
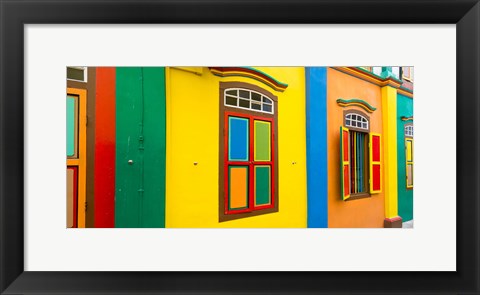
x=237, y=139
x=316, y=121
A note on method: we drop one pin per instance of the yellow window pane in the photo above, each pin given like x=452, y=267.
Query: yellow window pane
x=409, y=151
x=410, y=175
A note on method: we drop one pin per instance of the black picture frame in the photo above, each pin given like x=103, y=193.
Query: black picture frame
x=16, y=13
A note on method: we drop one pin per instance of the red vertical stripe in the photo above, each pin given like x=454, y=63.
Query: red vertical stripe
x=105, y=148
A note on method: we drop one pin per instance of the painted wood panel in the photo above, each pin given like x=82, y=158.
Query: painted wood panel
x=154, y=146
x=72, y=126
x=129, y=157
x=72, y=197
x=375, y=164
x=344, y=163
x=140, y=149
x=238, y=187
x=263, y=184
x=262, y=143
x=80, y=161
x=238, y=139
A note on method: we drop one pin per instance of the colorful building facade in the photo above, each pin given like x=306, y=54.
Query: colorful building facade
x=205, y=147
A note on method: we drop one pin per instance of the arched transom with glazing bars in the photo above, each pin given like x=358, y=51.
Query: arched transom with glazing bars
x=356, y=120
x=249, y=100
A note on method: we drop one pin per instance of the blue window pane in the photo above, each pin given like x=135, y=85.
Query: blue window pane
x=237, y=139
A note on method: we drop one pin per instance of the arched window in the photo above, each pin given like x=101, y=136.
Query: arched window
x=360, y=174
x=248, y=100
x=248, y=151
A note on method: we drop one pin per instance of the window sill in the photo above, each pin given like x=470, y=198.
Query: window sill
x=358, y=196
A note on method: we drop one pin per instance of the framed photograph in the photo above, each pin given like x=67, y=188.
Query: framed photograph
x=236, y=147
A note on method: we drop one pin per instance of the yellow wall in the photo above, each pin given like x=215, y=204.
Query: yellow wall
x=193, y=136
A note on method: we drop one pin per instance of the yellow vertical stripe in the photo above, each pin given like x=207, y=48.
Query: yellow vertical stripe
x=390, y=172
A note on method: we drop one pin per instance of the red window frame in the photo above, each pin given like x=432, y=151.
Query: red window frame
x=251, y=163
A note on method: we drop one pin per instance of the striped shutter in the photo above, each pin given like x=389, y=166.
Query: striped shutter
x=375, y=164
x=344, y=163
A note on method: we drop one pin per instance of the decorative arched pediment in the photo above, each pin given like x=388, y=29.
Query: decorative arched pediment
x=249, y=72
x=356, y=102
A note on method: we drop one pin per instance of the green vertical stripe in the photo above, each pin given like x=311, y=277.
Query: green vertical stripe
x=140, y=135
x=155, y=147
x=128, y=123
x=70, y=126
x=262, y=185
x=262, y=141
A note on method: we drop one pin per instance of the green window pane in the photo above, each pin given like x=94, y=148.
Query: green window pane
x=262, y=185
x=71, y=126
x=262, y=141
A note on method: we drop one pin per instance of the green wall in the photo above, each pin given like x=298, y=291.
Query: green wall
x=405, y=196
x=140, y=137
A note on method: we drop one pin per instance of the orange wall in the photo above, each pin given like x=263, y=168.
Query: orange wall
x=367, y=212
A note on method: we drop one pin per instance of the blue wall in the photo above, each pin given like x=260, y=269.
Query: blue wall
x=316, y=116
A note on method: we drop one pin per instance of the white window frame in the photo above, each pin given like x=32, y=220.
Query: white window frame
x=409, y=130
x=250, y=100
x=85, y=74
x=348, y=117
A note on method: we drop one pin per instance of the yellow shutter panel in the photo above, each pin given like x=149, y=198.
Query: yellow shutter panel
x=344, y=163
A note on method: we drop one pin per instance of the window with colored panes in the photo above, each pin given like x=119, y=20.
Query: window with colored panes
x=409, y=155
x=249, y=163
x=360, y=166
x=72, y=153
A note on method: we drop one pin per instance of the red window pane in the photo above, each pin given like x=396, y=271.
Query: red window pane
x=346, y=180
x=376, y=148
x=345, y=145
x=376, y=177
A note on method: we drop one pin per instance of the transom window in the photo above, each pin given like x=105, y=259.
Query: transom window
x=409, y=130
x=77, y=74
x=356, y=120
x=249, y=100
